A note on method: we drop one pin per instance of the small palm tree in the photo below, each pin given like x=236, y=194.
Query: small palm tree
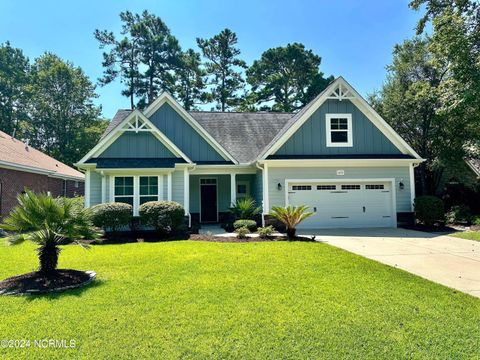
x=245, y=209
x=48, y=222
x=291, y=216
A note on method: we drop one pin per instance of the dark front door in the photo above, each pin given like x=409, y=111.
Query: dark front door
x=208, y=202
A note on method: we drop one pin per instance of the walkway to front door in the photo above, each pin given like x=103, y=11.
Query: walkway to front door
x=446, y=260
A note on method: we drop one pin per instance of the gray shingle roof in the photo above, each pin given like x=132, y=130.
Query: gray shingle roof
x=243, y=134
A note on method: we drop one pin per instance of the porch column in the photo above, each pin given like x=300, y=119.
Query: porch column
x=233, y=189
x=266, y=203
x=104, y=188
x=186, y=191
x=169, y=187
x=87, y=188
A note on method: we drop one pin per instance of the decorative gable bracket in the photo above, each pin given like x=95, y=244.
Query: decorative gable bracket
x=341, y=93
x=137, y=124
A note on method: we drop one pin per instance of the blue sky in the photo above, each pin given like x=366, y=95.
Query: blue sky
x=354, y=38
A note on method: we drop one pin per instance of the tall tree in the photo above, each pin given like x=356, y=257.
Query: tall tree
x=410, y=101
x=123, y=58
x=287, y=76
x=160, y=53
x=224, y=68
x=62, y=112
x=14, y=77
x=190, y=85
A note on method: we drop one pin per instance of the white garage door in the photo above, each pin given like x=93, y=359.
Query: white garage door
x=344, y=205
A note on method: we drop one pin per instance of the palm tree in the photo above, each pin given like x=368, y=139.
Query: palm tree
x=291, y=216
x=48, y=222
x=245, y=209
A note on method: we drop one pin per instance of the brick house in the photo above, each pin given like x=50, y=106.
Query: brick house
x=22, y=166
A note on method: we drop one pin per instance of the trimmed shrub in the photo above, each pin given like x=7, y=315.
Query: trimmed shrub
x=429, y=209
x=242, y=232
x=251, y=225
x=265, y=232
x=165, y=216
x=460, y=214
x=111, y=216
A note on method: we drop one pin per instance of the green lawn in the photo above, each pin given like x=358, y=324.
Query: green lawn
x=469, y=235
x=203, y=300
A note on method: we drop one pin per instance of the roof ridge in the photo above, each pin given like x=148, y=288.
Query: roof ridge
x=242, y=112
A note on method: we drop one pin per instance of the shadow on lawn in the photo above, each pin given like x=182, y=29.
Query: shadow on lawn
x=78, y=292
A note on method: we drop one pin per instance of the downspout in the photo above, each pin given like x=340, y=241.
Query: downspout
x=188, y=213
x=257, y=164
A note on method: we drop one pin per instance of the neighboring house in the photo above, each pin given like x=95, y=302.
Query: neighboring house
x=336, y=155
x=23, y=167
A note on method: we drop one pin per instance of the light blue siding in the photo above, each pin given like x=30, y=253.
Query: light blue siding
x=184, y=136
x=95, y=188
x=137, y=145
x=310, y=138
x=177, y=186
x=400, y=174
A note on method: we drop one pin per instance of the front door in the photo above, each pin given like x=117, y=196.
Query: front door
x=208, y=200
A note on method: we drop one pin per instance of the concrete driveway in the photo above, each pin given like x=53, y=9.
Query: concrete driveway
x=446, y=260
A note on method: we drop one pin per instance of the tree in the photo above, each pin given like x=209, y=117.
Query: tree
x=48, y=222
x=289, y=76
x=291, y=216
x=123, y=58
x=410, y=101
x=224, y=68
x=63, y=115
x=189, y=86
x=14, y=77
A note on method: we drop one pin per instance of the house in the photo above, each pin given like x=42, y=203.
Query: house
x=23, y=167
x=336, y=155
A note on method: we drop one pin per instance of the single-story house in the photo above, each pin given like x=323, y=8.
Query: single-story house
x=23, y=167
x=336, y=155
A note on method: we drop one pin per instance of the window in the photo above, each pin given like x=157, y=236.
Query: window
x=350, y=187
x=148, y=189
x=339, y=130
x=210, y=181
x=124, y=189
x=374, y=187
x=301, y=187
x=243, y=189
x=326, y=187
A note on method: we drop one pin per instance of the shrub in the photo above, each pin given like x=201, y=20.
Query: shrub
x=265, y=232
x=242, y=232
x=165, y=216
x=112, y=216
x=476, y=220
x=429, y=209
x=245, y=208
x=291, y=216
x=459, y=214
x=251, y=225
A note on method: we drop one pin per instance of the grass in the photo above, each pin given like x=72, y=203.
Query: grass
x=198, y=300
x=469, y=235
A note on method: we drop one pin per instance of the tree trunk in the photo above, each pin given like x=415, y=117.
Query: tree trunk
x=48, y=257
x=291, y=233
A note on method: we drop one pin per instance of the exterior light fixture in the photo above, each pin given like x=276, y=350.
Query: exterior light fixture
x=279, y=187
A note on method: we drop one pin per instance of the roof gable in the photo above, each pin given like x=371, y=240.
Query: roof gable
x=338, y=90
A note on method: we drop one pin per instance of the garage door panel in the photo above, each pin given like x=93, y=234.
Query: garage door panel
x=351, y=204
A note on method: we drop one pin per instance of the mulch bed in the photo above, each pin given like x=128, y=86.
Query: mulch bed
x=38, y=283
x=232, y=239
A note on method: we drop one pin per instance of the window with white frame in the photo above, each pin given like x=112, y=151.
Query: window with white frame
x=148, y=189
x=123, y=189
x=339, y=130
x=243, y=189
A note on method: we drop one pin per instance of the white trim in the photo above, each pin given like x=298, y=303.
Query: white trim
x=160, y=187
x=200, y=196
x=412, y=186
x=169, y=186
x=135, y=171
x=341, y=162
x=113, y=135
x=328, y=130
x=111, y=193
x=473, y=168
x=35, y=170
x=392, y=182
x=136, y=194
x=358, y=101
x=165, y=97
x=223, y=169
x=233, y=189
x=266, y=195
x=87, y=188
x=186, y=191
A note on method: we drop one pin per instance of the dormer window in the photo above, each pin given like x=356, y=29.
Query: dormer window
x=339, y=130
